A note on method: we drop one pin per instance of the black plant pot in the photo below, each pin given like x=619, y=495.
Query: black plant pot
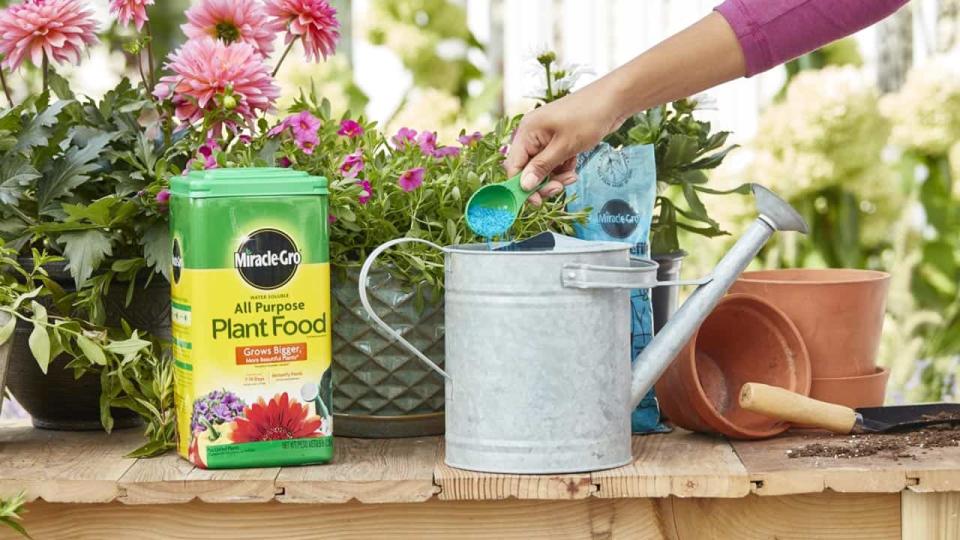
x=666, y=299
x=59, y=401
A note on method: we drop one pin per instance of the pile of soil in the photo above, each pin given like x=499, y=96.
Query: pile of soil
x=893, y=446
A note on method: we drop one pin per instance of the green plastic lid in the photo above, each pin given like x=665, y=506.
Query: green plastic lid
x=252, y=182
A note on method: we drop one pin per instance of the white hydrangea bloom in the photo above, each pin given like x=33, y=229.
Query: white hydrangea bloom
x=827, y=131
x=926, y=111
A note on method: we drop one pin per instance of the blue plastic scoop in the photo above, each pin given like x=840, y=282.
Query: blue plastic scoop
x=492, y=210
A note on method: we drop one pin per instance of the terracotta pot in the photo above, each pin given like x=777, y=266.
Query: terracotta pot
x=839, y=313
x=745, y=339
x=854, y=392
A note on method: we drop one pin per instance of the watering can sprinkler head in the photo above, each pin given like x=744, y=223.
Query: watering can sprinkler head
x=776, y=212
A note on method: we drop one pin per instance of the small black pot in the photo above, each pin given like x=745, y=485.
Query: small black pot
x=666, y=299
x=59, y=401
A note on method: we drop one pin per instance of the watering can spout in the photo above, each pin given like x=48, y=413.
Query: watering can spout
x=775, y=215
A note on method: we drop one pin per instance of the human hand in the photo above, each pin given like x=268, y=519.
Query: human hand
x=549, y=138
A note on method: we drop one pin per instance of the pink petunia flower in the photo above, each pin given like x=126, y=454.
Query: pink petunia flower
x=206, y=68
x=128, y=11
x=284, y=162
x=352, y=164
x=446, y=151
x=232, y=21
x=163, y=197
x=304, y=126
x=367, y=192
x=427, y=142
x=57, y=29
x=331, y=218
x=350, y=128
x=411, y=180
x=403, y=137
x=313, y=22
x=470, y=139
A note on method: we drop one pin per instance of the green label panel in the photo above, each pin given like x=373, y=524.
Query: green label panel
x=270, y=453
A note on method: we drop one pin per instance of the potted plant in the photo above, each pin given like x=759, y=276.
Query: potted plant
x=384, y=187
x=85, y=238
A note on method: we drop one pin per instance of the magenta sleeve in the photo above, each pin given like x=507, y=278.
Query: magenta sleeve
x=772, y=32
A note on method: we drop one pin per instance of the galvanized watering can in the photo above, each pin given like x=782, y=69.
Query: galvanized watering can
x=538, y=346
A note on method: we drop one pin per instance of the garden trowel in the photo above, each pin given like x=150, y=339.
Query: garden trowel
x=785, y=405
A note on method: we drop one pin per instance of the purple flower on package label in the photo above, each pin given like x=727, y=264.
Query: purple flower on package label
x=217, y=407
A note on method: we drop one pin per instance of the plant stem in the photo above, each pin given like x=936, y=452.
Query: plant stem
x=150, y=59
x=549, y=83
x=284, y=57
x=143, y=76
x=46, y=72
x=6, y=89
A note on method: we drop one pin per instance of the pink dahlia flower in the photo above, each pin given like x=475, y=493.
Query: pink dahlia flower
x=312, y=21
x=57, y=29
x=350, y=128
x=412, y=179
x=232, y=21
x=206, y=68
x=128, y=11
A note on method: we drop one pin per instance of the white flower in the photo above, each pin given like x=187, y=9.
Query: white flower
x=563, y=80
x=705, y=101
x=926, y=111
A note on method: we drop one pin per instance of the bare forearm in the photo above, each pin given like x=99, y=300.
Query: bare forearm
x=702, y=56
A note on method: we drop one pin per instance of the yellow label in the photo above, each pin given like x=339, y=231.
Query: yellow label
x=250, y=364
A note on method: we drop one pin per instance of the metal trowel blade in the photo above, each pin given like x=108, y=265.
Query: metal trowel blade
x=909, y=417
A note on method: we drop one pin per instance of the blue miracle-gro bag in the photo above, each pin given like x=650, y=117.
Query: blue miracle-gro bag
x=620, y=186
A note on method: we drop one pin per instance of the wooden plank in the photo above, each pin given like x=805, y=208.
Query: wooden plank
x=461, y=485
x=366, y=470
x=930, y=516
x=681, y=463
x=171, y=479
x=554, y=520
x=823, y=516
x=774, y=473
x=64, y=467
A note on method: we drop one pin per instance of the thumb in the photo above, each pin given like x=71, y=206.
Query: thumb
x=542, y=164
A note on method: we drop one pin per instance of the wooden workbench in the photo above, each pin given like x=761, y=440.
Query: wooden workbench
x=682, y=485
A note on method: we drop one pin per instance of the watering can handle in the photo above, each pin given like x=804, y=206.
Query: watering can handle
x=365, y=301
x=641, y=274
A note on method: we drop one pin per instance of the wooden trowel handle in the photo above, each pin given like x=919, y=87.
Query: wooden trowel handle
x=785, y=405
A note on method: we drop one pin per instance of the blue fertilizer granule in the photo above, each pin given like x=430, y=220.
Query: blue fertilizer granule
x=489, y=222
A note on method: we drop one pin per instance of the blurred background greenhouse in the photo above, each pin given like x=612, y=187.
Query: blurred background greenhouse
x=863, y=136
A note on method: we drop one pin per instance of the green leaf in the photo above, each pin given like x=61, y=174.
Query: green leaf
x=681, y=149
x=743, y=189
x=91, y=350
x=40, y=346
x=37, y=132
x=697, y=210
x=156, y=249
x=130, y=346
x=84, y=252
x=70, y=171
x=60, y=86
x=26, y=296
x=151, y=449
x=8, y=327
x=15, y=174
x=712, y=161
x=97, y=212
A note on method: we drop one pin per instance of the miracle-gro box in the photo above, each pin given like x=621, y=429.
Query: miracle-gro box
x=251, y=318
